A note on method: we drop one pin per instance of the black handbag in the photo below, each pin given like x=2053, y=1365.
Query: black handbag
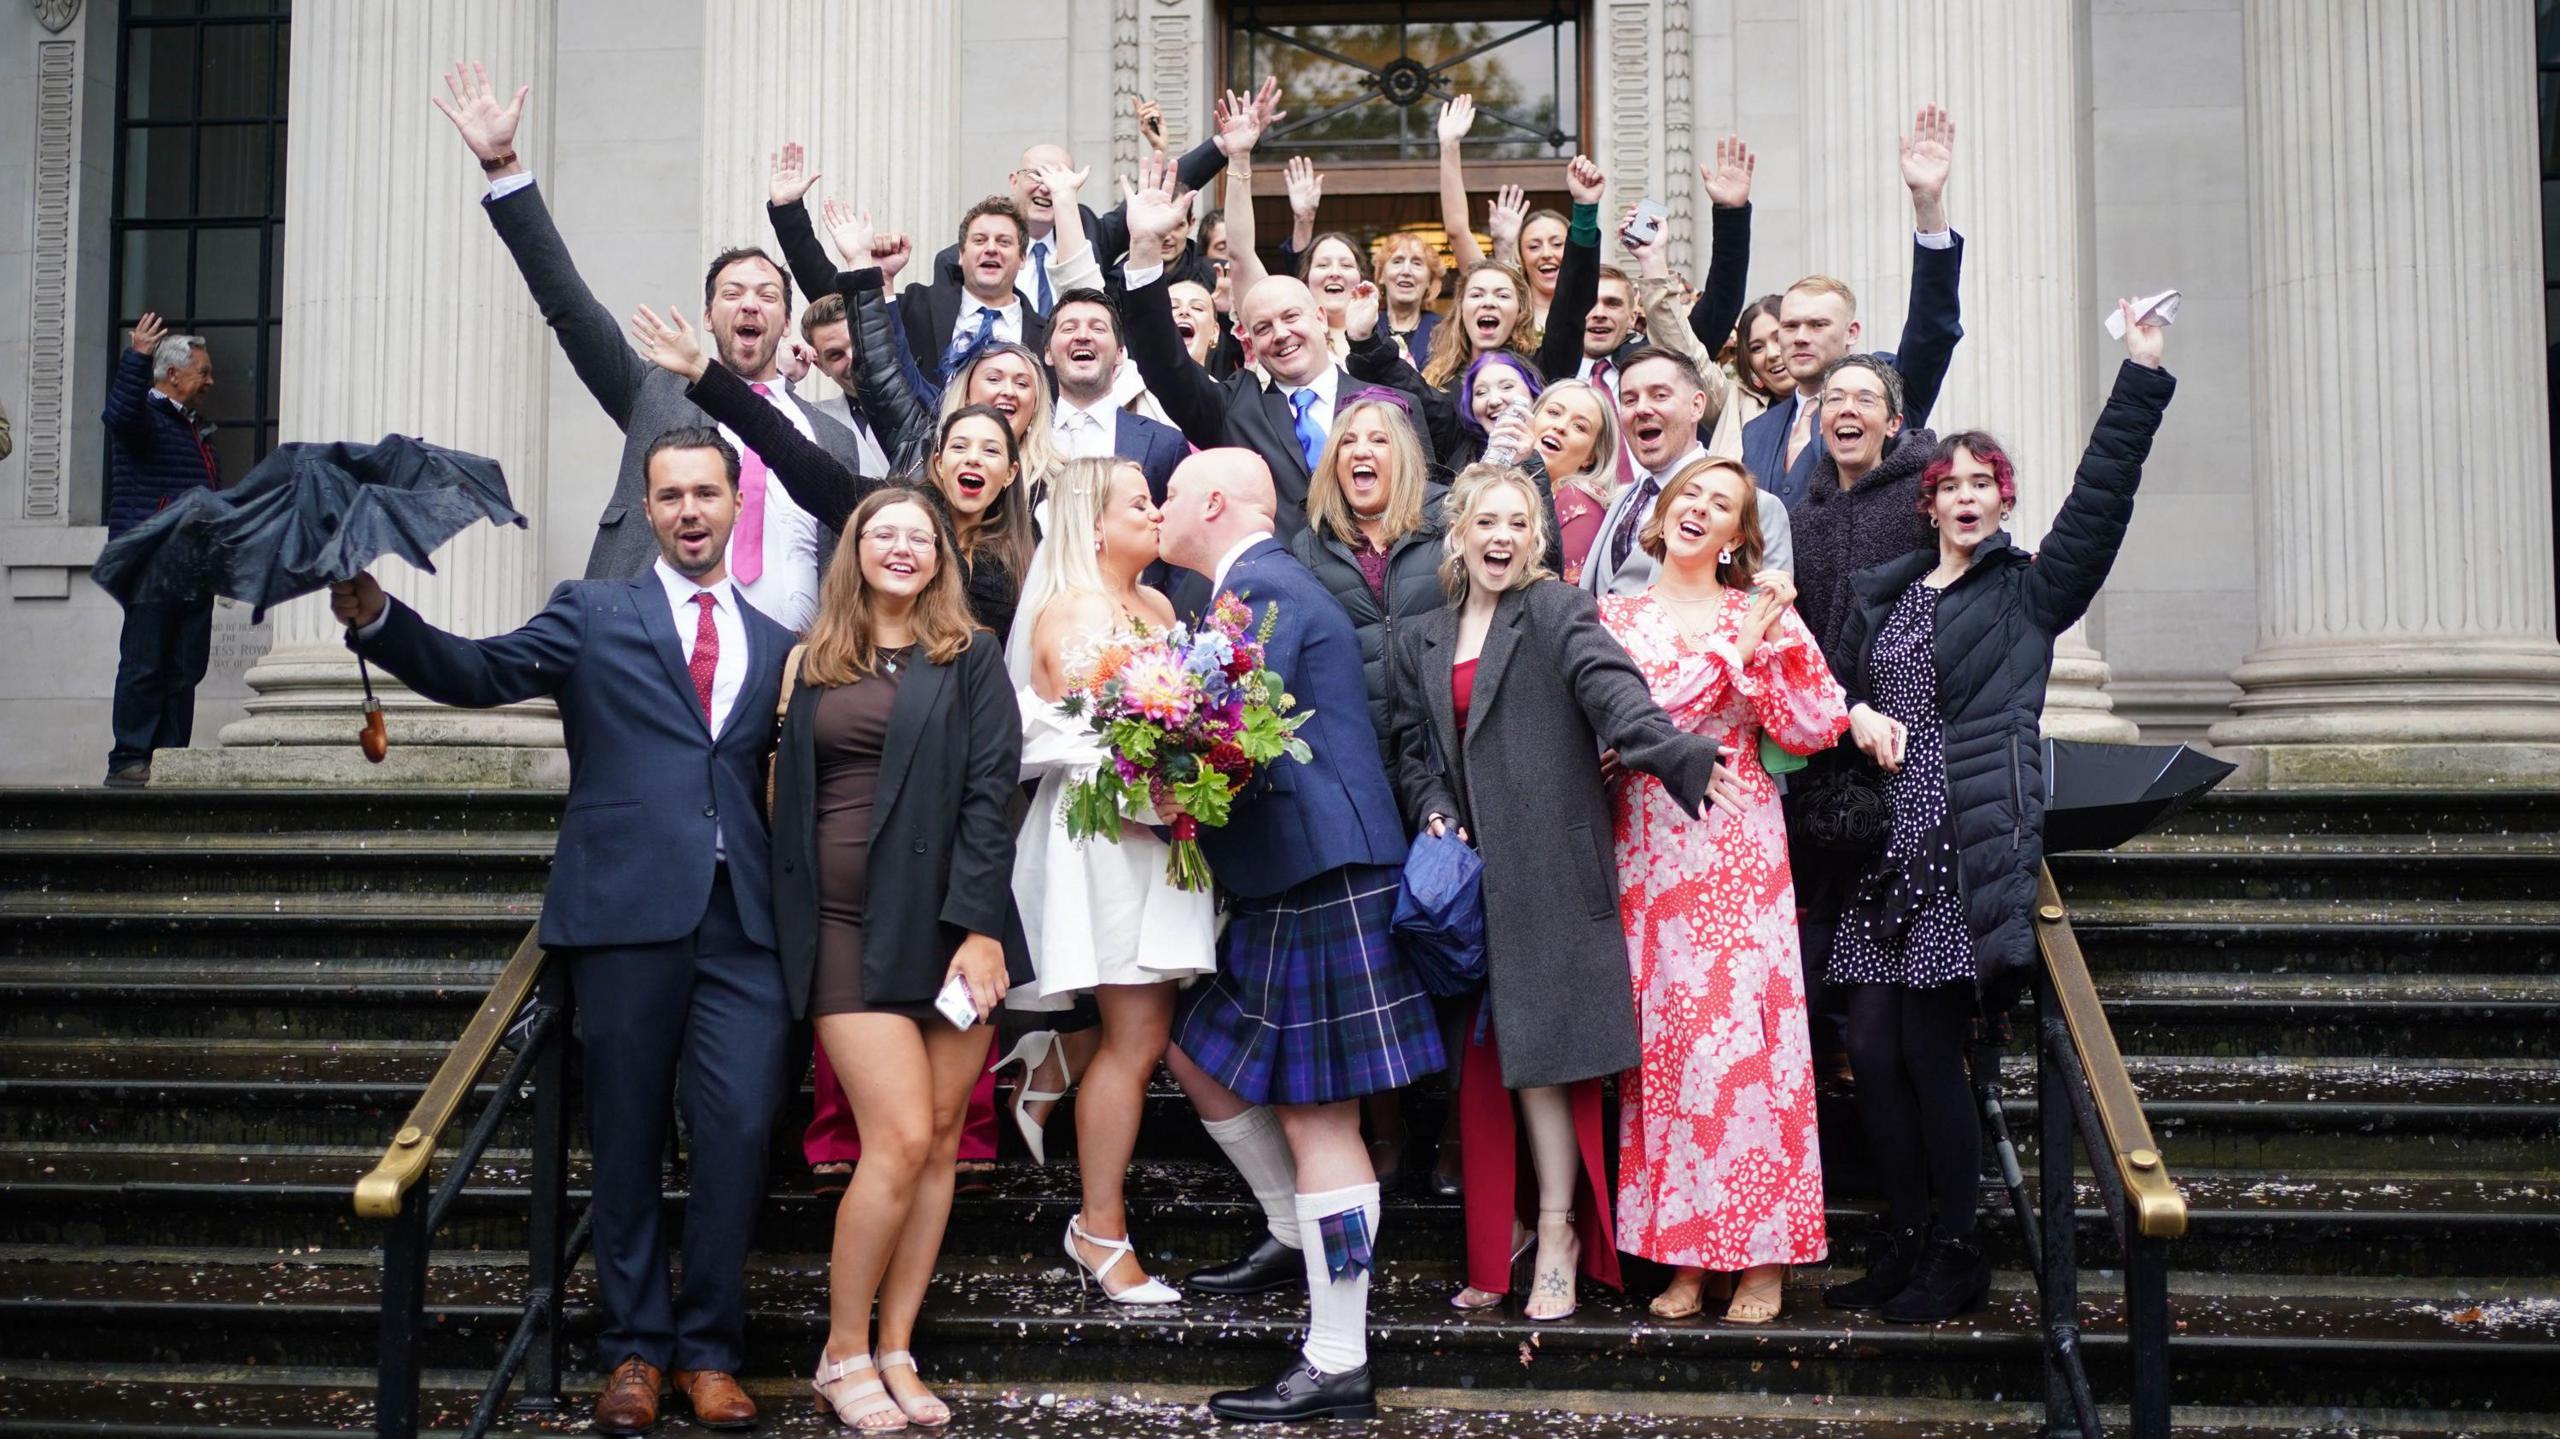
x=1841, y=807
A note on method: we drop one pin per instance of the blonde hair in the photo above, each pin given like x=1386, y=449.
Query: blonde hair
x=1466, y=496
x=1038, y=460
x=1825, y=285
x=1329, y=510
x=1600, y=474
x=1452, y=352
x=1746, y=521
x=1067, y=561
x=842, y=646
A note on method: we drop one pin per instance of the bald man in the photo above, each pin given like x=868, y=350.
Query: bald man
x=1311, y=1007
x=1285, y=421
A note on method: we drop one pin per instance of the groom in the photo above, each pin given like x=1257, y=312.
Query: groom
x=1310, y=1008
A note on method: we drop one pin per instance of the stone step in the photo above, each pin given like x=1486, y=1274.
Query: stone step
x=1188, y=1212
x=2164, y=936
x=271, y=928
x=2257, y=1338
x=266, y=811
x=284, y=865
x=2279, y=816
x=2479, y=872
x=193, y=998
x=2387, y=1015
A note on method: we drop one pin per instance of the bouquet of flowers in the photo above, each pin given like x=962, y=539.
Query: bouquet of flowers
x=1186, y=715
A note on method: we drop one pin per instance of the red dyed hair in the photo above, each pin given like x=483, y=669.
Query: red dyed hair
x=1980, y=445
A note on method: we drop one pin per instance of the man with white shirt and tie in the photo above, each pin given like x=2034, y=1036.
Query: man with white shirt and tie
x=1087, y=418
x=659, y=903
x=746, y=304
x=1107, y=232
x=1661, y=401
x=947, y=322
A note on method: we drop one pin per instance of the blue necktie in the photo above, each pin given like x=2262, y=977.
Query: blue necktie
x=1040, y=263
x=1310, y=434
x=966, y=348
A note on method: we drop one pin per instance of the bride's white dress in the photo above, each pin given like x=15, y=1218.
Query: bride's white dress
x=1095, y=912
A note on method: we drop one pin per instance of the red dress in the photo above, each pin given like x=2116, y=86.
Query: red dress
x=1718, y=1165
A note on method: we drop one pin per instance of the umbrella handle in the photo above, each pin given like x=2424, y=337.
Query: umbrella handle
x=374, y=739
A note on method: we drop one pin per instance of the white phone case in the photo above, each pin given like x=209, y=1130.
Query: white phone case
x=955, y=1005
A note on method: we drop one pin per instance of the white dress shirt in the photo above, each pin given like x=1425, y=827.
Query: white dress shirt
x=787, y=590
x=1227, y=561
x=729, y=672
x=1035, y=260
x=1326, y=384
x=838, y=406
x=1008, y=319
x=1086, y=434
x=1610, y=385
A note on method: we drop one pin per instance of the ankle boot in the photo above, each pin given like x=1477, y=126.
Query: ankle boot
x=1892, y=1257
x=1952, y=1278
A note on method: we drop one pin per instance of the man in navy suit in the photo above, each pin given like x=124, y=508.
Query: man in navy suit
x=660, y=903
x=1311, y=1008
x=1084, y=357
x=1818, y=323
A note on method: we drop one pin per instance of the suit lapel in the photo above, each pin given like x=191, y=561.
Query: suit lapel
x=1437, y=686
x=658, y=622
x=920, y=688
x=1500, y=639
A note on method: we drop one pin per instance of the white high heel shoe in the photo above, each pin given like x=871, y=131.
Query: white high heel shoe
x=1033, y=1052
x=1150, y=1291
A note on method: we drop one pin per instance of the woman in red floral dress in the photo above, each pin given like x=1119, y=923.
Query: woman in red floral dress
x=1719, y=1170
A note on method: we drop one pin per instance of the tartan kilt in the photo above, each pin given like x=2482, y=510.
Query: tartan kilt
x=1311, y=1002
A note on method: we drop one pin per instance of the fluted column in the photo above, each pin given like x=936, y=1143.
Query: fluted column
x=402, y=312
x=870, y=89
x=2009, y=72
x=2404, y=536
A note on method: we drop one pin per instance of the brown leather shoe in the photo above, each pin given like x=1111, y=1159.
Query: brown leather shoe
x=718, y=1402
x=629, y=1403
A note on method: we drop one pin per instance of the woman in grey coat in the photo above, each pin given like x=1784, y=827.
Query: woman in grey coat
x=1504, y=702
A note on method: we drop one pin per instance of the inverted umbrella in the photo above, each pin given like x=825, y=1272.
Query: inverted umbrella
x=2097, y=796
x=309, y=516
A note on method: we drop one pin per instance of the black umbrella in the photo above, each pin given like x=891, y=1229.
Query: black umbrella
x=2097, y=796
x=309, y=516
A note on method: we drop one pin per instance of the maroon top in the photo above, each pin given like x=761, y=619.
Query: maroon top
x=1462, y=689
x=1373, y=564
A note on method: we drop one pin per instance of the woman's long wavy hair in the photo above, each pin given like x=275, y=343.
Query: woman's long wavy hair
x=843, y=644
x=1408, y=476
x=1467, y=495
x=1451, y=349
x=1068, y=560
x=1747, y=541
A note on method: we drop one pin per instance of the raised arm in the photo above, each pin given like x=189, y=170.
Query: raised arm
x=816, y=480
x=1241, y=121
x=129, y=392
x=1375, y=359
x=1934, y=321
x=886, y=393
x=1194, y=400
x=786, y=209
x=528, y=662
x=2080, y=548
x=1306, y=192
x=1457, y=117
x=1578, y=278
x=1724, y=291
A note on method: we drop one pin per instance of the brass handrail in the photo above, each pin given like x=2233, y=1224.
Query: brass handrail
x=404, y=1161
x=2159, y=1210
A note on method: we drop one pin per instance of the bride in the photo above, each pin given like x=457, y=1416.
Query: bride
x=1101, y=917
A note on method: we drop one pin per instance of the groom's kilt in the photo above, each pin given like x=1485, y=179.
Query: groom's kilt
x=1311, y=1003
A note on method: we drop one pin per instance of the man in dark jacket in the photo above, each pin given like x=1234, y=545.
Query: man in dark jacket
x=160, y=449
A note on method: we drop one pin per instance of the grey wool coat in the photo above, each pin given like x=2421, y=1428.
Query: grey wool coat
x=1552, y=690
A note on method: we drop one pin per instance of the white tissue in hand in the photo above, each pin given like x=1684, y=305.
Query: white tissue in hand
x=2160, y=309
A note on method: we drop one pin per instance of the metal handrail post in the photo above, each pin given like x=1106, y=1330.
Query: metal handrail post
x=404, y=1317
x=546, y=1237
x=2146, y=1318
x=2058, y=1289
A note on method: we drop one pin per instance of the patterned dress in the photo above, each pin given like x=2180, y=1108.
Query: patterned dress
x=1904, y=923
x=1718, y=1162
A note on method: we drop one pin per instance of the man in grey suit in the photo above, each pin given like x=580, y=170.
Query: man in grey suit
x=1661, y=399
x=775, y=555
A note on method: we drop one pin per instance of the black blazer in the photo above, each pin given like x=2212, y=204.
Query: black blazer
x=941, y=845
x=927, y=314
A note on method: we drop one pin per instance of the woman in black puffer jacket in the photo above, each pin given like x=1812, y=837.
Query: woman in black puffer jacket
x=1944, y=654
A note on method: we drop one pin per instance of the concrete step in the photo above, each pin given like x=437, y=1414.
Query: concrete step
x=2343, y=872
x=2402, y=1016
x=342, y=1000
x=165, y=811
x=2174, y=936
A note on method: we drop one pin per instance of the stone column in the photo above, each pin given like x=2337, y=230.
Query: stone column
x=870, y=89
x=2010, y=72
x=402, y=312
x=2404, y=541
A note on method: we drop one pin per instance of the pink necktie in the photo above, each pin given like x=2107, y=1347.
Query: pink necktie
x=746, y=543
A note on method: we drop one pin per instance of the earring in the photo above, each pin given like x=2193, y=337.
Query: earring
x=1725, y=555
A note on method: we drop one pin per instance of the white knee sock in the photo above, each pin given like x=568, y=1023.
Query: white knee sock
x=1260, y=1152
x=1337, y=1309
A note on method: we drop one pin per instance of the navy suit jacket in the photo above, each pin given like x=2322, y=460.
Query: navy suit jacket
x=647, y=780
x=1930, y=329
x=1157, y=447
x=1298, y=821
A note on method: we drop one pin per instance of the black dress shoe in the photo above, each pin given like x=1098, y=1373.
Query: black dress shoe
x=1300, y=1393
x=1953, y=1277
x=1272, y=1265
x=1893, y=1256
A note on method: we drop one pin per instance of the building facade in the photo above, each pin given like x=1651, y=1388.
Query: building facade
x=2342, y=565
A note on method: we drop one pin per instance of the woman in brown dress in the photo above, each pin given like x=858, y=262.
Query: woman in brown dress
x=899, y=754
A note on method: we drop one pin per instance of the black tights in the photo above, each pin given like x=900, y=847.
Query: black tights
x=1906, y=1047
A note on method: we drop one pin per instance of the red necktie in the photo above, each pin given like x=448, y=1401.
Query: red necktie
x=746, y=543
x=706, y=655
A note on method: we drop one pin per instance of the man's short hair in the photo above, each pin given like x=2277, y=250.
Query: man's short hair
x=1890, y=377
x=731, y=256
x=171, y=355
x=827, y=309
x=996, y=205
x=1657, y=354
x=1087, y=295
x=1612, y=272
x=693, y=437
x=1825, y=285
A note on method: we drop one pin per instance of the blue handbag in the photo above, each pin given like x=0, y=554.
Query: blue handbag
x=1439, y=921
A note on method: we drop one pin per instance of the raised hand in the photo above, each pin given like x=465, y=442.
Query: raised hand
x=1928, y=153
x=1651, y=261
x=794, y=359
x=1152, y=211
x=788, y=175
x=1509, y=212
x=357, y=602
x=1243, y=118
x=1150, y=121
x=1584, y=181
x=1457, y=118
x=148, y=332
x=1360, y=312
x=849, y=230
x=2144, y=344
x=1306, y=187
x=1065, y=185
x=488, y=127
x=1728, y=178
x=890, y=252
x=668, y=344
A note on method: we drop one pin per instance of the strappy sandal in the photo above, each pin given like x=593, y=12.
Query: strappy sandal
x=1664, y=1306
x=1033, y=1052
x=857, y=1406
x=1471, y=1299
x=1757, y=1301
x=1554, y=1284
x=1148, y=1290
x=926, y=1413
